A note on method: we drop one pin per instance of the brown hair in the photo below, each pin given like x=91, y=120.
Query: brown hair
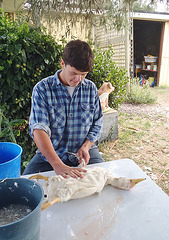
x=79, y=55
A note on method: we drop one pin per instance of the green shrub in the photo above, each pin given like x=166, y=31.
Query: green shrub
x=140, y=95
x=105, y=70
x=27, y=55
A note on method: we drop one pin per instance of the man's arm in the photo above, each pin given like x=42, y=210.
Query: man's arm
x=45, y=146
x=94, y=132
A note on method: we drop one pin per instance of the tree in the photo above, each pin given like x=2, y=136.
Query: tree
x=109, y=12
x=139, y=5
x=112, y=14
x=148, y=6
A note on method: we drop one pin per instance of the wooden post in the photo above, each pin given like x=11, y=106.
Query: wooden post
x=127, y=43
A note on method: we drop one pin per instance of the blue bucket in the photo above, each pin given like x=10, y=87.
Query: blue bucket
x=10, y=160
x=27, y=192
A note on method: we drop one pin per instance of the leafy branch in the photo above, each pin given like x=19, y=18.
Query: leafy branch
x=7, y=128
x=107, y=12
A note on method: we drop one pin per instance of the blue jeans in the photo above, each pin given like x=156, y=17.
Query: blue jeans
x=37, y=164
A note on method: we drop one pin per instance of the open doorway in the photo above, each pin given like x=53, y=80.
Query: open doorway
x=147, y=36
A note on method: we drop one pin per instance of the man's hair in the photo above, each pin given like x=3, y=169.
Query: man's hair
x=79, y=55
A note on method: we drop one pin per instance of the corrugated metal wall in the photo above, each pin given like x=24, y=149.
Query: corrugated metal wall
x=164, y=70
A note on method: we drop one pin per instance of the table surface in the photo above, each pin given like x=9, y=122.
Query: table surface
x=139, y=214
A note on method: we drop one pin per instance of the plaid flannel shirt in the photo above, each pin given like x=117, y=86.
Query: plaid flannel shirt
x=68, y=121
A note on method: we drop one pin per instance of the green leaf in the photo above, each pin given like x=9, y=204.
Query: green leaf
x=4, y=132
x=18, y=47
x=24, y=55
x=17, y=122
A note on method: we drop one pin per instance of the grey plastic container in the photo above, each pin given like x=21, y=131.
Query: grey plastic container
x=27, y=192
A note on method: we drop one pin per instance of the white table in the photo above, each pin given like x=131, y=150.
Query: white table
x=139, y=214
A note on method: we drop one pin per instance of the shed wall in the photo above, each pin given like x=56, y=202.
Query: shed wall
x=12, y=5
x=60, y=28
x=164, y=71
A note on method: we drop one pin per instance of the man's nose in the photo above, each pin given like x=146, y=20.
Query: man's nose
x=78, y=77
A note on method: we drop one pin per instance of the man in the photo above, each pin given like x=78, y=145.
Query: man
x=66, y=116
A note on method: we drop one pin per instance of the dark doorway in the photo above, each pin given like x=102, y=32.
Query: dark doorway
x=147, y=36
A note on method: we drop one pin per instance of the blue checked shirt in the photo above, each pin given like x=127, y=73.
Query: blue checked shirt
x=68, y=121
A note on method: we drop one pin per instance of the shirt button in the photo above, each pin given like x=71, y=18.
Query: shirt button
x=71, y=114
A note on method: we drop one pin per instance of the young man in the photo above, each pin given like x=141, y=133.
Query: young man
x=66, y=116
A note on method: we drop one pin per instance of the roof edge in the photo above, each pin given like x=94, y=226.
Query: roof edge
x=163, y=17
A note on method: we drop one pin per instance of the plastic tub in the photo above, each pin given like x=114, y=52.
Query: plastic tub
x=10, y=160
x=151, y=59
x=27, y=192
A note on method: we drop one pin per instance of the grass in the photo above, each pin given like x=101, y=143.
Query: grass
x=140, y=95
x=144, y=139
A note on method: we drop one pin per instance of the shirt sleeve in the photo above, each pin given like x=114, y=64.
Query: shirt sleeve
x=39, y=118
x=96, y=128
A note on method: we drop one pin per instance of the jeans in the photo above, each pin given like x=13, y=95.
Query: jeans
x=37, y=164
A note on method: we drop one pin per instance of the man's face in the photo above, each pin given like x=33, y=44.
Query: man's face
x=71, y=76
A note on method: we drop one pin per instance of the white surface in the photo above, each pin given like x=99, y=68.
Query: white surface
x=139, y=214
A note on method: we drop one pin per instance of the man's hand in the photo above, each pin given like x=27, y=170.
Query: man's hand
x=66, y=171
x=45, y=146
x=83, y=152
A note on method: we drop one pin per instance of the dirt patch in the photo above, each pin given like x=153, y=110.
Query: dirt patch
x=144, y=137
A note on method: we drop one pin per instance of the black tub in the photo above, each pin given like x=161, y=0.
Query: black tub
x=27, y=192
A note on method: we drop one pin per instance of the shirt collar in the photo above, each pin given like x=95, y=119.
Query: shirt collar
x=57, y=81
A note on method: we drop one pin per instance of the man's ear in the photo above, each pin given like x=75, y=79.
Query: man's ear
x=62, y=63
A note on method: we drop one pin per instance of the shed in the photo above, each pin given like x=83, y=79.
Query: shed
x=148, y=34
x=151, y=37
